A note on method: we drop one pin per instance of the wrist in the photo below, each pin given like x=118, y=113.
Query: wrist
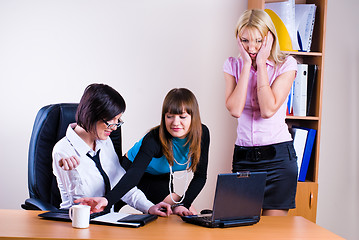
x=247, y=64
x=261, y=62
x=176, y=205
x=263, y=86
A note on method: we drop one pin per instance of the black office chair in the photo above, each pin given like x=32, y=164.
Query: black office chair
x=50, y=126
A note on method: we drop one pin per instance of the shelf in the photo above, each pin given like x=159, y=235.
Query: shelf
x=307, y=192
x=308, y=118
x=311, y=54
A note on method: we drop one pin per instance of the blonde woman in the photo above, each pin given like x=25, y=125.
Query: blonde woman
x=257, y=84
x=179, y=143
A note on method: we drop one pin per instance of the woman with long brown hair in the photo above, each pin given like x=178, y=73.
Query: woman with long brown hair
x=179, y=143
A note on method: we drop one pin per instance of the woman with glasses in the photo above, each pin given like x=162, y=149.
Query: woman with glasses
x=85, y=162
x=179, y=143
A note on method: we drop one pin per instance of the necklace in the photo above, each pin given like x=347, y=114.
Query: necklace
x=185, y=174
x=182, y=163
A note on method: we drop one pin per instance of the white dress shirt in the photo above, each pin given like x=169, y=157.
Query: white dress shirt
x=86, y=180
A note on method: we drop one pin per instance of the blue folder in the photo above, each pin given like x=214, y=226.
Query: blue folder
x=307, y=153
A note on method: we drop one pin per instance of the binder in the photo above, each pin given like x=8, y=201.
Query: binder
x=285, y=43
x=299, y=141
x=290, y=102
x=142, y=219
x=104, y=218
x=307, y=152
x=300, y=91
x=312, y=77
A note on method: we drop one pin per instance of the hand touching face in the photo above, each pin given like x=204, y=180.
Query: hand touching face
x=253, y=47
x=266, y=49
x=242, y=51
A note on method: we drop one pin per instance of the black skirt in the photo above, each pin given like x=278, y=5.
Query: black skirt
x=279, y=161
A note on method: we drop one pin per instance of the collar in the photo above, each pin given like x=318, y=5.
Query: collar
x=181, y=141
x=79, y=145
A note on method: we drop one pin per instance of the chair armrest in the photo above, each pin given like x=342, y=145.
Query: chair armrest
x=37, y=204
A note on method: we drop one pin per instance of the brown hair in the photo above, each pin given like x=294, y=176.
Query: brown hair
x=177, y=101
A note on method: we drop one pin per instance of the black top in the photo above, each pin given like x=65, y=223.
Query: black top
x=151, y=147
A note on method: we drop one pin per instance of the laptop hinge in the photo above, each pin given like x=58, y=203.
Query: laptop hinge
x=241, y=222
x=243, y=174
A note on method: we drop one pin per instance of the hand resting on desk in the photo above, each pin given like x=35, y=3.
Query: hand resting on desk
x=98, y=204
x=183, y=211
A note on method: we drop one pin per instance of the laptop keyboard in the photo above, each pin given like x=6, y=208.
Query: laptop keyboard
x=207, y=218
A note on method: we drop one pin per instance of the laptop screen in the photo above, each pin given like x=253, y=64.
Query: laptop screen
x=239, y=195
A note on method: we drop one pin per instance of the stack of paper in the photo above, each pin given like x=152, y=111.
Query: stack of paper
x=304, y=21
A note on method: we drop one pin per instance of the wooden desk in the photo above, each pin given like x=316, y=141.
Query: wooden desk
x=22, y=224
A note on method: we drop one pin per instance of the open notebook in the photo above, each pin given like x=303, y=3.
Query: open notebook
x=105, y=218
x=238, y=201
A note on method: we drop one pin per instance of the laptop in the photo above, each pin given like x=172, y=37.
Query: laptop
x=104, y=218
x=237, y=202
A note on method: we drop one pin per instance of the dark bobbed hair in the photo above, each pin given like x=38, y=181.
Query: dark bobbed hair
x=99, y=102
x=177, y=101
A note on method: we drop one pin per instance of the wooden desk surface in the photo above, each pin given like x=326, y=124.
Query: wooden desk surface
x=22, y=224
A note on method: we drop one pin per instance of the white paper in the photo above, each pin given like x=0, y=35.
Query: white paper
x=304, y=21
x=113, y=217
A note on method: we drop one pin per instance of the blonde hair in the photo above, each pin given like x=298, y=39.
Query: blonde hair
x=176, y=101
x=260, y=20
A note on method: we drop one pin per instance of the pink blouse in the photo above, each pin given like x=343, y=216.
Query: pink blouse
x=252, y=129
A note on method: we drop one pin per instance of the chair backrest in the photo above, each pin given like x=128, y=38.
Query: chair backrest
x=50, y=126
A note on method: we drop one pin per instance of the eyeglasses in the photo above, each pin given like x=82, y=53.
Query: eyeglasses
x=113, y=125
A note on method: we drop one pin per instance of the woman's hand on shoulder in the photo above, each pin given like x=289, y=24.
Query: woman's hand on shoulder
x=97, y=204
x=69, y=163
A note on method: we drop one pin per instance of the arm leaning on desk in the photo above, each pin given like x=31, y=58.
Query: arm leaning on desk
x=22, y=224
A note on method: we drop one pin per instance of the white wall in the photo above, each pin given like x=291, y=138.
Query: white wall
x=51, y=50
x=338, y=168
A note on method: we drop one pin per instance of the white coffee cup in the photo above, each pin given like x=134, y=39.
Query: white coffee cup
x=80, y=216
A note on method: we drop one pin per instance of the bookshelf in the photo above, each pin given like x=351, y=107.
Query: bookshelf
x=307, y=192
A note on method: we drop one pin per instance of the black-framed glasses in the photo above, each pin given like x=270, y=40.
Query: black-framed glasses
x=113, y=125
